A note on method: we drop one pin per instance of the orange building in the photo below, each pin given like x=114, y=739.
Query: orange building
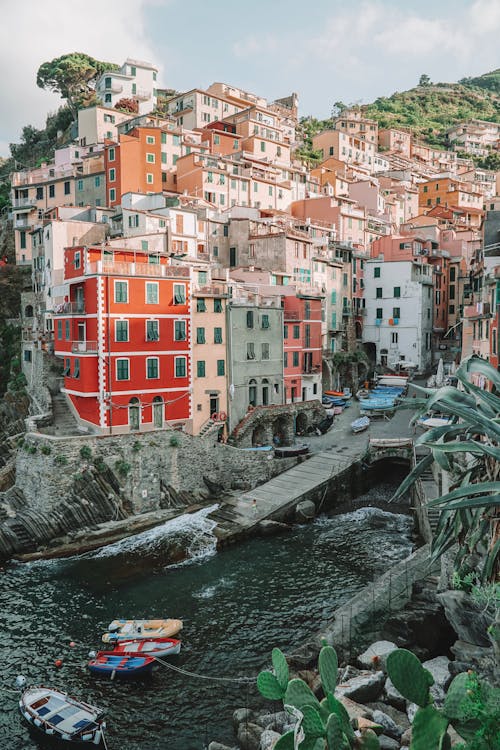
x=452, y=194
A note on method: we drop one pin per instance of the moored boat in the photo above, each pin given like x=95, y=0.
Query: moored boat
x=291, y=450
x=148, y=647
x=60, y=717
x=121, y=665
x=361, y=424
x=427, y=423
x=120, y=630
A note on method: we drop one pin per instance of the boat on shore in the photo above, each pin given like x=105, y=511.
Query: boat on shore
x=150, y=647
x=123, y=630
x=291, y=450
x=121, y=665
x=427, y=423
x=61, y=718
x=361, y=424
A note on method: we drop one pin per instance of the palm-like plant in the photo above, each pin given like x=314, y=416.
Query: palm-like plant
x=469, y=449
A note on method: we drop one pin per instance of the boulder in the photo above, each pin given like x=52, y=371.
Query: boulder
x=365, y=687
x=242, y=714
x=439, y=669
x=268, y=739
x=305, y=511
x=376, y=655
x=355, y=710
x=388, y=743
x=249, y=735
x=391, y=729
x=364, y=724
x=406, y=737
x=467, y=619
x=271, y=528
x=399, y=717
x=218, y=746
x=277, y=722
x=393, y=696
x=411, y=710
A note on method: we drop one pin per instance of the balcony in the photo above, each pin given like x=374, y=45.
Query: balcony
x=137, y=269
x=22, y=224
x=84, y=347
x=23, y=203
x=347, y=311
x=70, y=308
x=115, y=88
x=142, y=95
x=291, y=315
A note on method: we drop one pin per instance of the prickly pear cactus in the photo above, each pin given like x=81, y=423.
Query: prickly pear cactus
x=280, y=667
x=311, y=723
x=269, y=687
x=336, y=707
x=286, y=742
x=457, y=693
x=428, y=729
x=298, y=694
x=409, y=676
x=369, y=741
x=328, y=668
x=334, y=734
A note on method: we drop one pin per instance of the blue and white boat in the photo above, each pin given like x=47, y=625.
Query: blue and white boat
x=111, y=664
x=361, y=424
x=62, y=719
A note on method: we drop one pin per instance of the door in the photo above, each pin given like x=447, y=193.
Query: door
x=304, y=394
x=232, y=257
x=79, y=299
x=134, y=414
x=158, y=411
x=214, y=405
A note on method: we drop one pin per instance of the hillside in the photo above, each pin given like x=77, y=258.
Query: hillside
x=427, y=110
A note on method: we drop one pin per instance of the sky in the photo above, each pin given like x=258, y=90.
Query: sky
x=325, y=50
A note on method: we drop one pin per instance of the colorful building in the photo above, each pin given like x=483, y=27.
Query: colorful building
x=302, y=347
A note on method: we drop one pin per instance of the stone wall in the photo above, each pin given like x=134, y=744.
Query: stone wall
x=146, y=465
x=283, y=421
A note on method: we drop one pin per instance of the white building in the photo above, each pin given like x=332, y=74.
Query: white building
x=398, y=322
x=135, y=79
x=97, y=123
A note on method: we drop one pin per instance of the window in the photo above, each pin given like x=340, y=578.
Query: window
x=376, y=272
x=152, y=368
x=285, y=360
x=121, y=330
x=111, y=154
x=249, y=318
x=149, y=178
x=67, y=188
x=378, y=292
x=180, y=367
x=151, y=292
x=152, y=330
x=133, y=221
x=295, y=359
x=79, y=185
x=200, y=368
x=333, y=298
x=217, y=305
x=250, y=350
x=67, y=367
x=201, y=305
x=296, y=332
x=179, y=330
x=217, y=335
x=285, y=332
x=39, y=193
x=121, y=291
x=67, y=330
x=52, y=191
x=394, y=338
x=379, y=313
x=200, y=336
x=265, y=351
x=144, y=246
x=265, y=321
x=221, y=367
x=344, y=279
x=112, y=174
x=396, y=312
x=179, y=294
x=397, y=291
x=77, y=260
x=150, y=139
x=150, y=158
x=122, y=369
x=262, y=145
x=112, y=195
x=76, y=368
x=59, y=330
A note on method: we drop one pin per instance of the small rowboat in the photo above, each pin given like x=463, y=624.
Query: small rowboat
x=291, y=450
x=361, y=424
x=121, y=665
x=61, y=718
x=346, y=393
x=152, y=647
x=125, y=630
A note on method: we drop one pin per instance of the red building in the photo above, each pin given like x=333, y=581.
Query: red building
x=302, y=347
x=124, y=338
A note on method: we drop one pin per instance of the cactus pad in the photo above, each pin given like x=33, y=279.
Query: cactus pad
x=334, y=733
x=286, y=742
x=269, y=687
x=369, y=741
x=328, y=668
x=409, y=676
x=428, y=729
x=311, y=722
x=280, y=667
x=298, y=694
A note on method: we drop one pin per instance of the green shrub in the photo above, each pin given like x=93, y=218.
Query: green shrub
x=86, y=452
x=60, y=459
x=174, y=441
x=46, y=450
x=136, y=446
x=122, y=467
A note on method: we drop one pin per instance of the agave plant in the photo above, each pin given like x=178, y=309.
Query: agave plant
x=469, y=449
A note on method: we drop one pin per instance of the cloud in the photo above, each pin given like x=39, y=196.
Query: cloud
x=106, y=30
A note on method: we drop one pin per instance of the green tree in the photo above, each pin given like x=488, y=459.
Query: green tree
x=74, y=76
x=424, y=80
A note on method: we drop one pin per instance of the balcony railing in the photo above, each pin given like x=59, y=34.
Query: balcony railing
x=84, y=347
x=115, y=88
x=137, y=269
x=70, y=308
x=23, y=202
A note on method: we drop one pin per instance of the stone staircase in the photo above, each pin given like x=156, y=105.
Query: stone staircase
x=207, y=428
x=64, y=422
x=430, y=488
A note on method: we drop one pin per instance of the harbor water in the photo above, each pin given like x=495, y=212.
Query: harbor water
x=237, y=604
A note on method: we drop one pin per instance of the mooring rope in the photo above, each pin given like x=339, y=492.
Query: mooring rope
x=202, y=676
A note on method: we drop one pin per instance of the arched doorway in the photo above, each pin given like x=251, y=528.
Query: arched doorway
x=28, y=311
x=252, y=392
x=265, y=392
x=158, y=411
x=134, y=414
x=301, y=423
x=280, y=431
x=259, y=435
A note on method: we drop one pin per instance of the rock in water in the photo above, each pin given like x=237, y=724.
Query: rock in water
x=305, y=510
